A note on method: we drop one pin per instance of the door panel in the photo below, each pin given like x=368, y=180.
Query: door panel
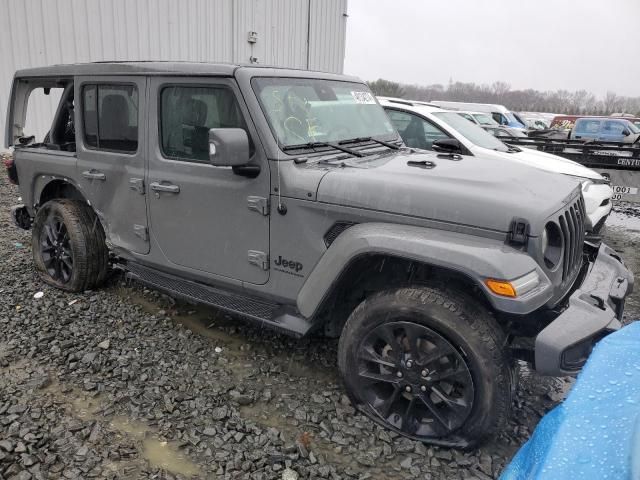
x=111, y=123
x=199, y=214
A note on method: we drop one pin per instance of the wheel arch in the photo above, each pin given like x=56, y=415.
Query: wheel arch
x=369, y=257
x=368, y=274
x=50, y=188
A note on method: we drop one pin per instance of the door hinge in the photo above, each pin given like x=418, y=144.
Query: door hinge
x=258, y=204
x=259, y=259
x=141, y=231
x=137, y=184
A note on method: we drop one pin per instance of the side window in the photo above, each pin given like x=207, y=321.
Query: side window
x=110, y=114
x=415, y=131
x=498, y=117
x=612, y=128
x=186, y=115
x=41, y=108
x=588, y=127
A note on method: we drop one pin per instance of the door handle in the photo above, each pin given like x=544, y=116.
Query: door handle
x=94, y=175
x=165, y=187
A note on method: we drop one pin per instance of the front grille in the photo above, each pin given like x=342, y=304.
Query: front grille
x=571, y=222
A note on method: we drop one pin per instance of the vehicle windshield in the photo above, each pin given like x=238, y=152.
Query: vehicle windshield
x=304, y=110
x=485, y=119
x=512, y=118
x=472, y=132
x=632, y=126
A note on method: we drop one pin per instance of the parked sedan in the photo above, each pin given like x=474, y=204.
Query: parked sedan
x=426, y=127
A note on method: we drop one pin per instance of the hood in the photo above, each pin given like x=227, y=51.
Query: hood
x=550, y=163
x=486, y=193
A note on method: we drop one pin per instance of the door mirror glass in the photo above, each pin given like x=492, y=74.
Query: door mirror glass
x=447, y=145
x=228, y=147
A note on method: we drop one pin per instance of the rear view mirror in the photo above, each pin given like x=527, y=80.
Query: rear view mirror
x=228, y=147
x=447, y=145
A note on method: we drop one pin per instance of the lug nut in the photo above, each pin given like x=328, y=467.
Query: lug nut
x=423, y=388
x=399, y=374
x=407, y=388
x=424, y=373
x=409, y=363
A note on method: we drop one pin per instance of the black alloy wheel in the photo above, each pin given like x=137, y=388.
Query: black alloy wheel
x=414, y=379
x=55, y=248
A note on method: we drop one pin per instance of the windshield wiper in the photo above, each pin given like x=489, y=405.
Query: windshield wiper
x=392, y=146
x=323, y=144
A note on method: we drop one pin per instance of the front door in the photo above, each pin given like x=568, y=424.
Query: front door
x=110, y=120
x=203, y=217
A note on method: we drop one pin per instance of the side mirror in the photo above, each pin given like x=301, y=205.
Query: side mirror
x=228, y=147
x=626, y=132
x=447, y=145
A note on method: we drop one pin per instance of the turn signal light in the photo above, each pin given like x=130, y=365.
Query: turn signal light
x=500, y=287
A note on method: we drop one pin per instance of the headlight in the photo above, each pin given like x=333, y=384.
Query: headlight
x=552, y=245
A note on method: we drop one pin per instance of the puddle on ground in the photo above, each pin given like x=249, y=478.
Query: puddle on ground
x=158, y=453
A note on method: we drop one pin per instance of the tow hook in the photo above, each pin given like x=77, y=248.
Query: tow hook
x=21, y=217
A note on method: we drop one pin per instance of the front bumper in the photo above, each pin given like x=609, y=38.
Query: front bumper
x=595, y=309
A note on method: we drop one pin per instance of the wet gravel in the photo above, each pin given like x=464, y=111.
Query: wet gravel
x=126, y=383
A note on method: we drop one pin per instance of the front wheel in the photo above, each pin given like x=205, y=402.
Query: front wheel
x=428, y=363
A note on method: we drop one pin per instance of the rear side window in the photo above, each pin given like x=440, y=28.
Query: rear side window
x=587, y=126
x=186, y=115
x=110, y=114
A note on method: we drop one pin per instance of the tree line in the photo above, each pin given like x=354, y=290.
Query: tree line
x=578, y=102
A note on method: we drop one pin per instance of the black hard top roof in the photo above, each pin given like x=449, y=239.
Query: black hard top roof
x=163, y=68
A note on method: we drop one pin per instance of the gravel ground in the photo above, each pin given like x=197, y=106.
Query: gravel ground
x=126, y=383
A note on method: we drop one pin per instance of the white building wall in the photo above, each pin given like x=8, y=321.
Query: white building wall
x=290, y=33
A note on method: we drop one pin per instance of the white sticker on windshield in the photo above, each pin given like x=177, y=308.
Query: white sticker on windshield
x=363, y=98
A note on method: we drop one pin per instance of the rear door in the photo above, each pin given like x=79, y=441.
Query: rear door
x=205, y=218
x=110, y=122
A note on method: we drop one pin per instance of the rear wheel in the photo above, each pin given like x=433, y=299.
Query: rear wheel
x=68, y=244
x=428, y=363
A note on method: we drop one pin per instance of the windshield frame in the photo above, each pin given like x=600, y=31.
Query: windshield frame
x=393, y=136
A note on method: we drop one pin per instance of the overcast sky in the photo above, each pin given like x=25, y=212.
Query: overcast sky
x=542, y=44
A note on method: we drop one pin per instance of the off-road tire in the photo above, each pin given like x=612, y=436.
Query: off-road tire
x=467, y=326
x=86, y=239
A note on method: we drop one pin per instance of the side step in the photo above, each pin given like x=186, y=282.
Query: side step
x=272, y=315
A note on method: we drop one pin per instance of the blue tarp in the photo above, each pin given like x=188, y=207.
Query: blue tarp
x=595, y=433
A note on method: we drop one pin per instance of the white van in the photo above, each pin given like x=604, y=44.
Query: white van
x=420, y=126
x=500, y=113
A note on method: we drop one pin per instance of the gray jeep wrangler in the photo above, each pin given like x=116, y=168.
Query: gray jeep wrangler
x=287, y=197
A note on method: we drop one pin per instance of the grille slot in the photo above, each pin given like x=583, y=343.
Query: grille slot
x=571, y=223
x=335, y=231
